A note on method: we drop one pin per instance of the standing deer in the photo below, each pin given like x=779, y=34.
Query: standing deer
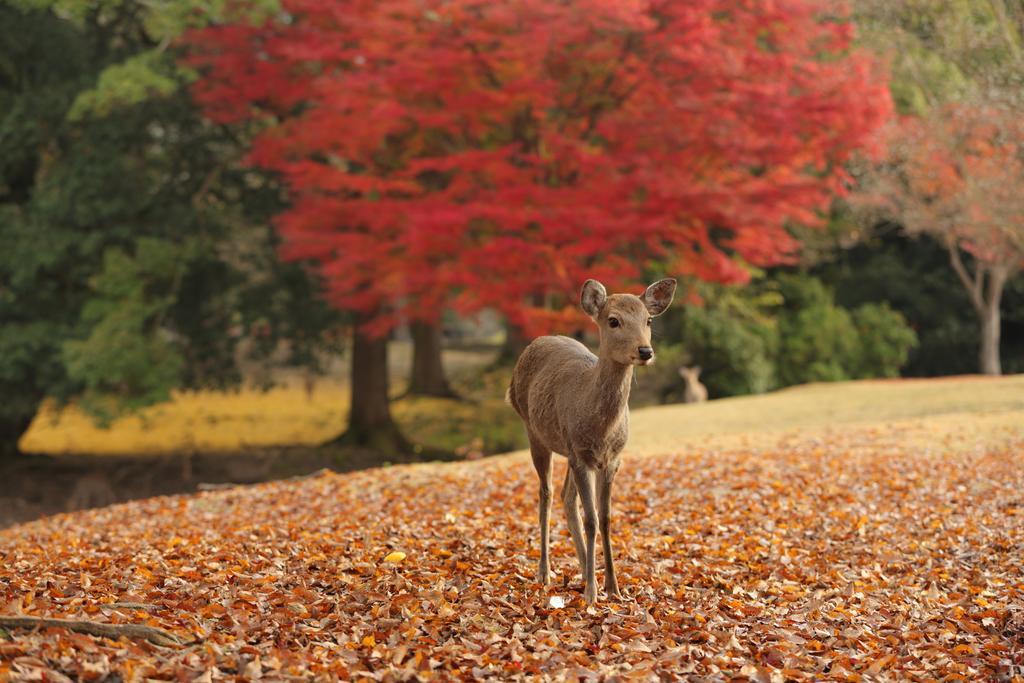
x=695, y=392
x=576, y=404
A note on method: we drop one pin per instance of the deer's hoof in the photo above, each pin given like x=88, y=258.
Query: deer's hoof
x=613, y=593
x=544, y=577
x=590, y=595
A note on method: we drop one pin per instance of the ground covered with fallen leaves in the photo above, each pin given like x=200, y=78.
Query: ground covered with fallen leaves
x=872, y=552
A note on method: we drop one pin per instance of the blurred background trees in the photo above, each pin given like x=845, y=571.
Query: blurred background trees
x=192, y=193
x=956, y=156
x=136, y=251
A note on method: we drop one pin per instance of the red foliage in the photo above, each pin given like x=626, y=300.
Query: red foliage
x=956, y=175
x=481, y=153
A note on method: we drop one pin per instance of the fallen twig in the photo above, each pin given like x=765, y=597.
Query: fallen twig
x=144, y=606
x=309, y=475
x=154, y=635
x=207, y=486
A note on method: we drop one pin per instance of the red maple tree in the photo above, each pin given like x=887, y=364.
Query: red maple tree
x=473, y=153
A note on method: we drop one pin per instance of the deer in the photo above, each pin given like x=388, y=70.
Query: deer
x=695, y=392
x=576, y=404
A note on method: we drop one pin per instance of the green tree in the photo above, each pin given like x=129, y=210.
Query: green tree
x=135, y=250
x=123, y=357
x=820, y=341
x=816, y=338
x=733, y=336
x=885, y=341
x=945, y=51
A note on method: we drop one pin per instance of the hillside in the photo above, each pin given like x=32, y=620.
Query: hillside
x=839, y=532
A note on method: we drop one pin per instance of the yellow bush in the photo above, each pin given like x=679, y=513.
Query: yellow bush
x=198, y=421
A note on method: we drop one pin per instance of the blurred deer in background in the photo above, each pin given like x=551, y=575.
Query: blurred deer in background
x=695, y=391
x=576, y=404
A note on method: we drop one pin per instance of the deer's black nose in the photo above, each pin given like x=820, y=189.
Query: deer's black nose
x=646, y=352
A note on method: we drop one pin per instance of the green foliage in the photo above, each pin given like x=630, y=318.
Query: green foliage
x=969, y=54
x=817, y=340
x=946, y=50
x=885, y=341
x=732, y=335
x=135, y=80
x=127, y=360
x=779, y=330
x=822, y=342
x=734, y=351
x=39, y=296
x=136, y=252
x=149, y=73
x=160, y=20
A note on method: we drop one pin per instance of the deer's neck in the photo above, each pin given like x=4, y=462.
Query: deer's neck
x=609, y=390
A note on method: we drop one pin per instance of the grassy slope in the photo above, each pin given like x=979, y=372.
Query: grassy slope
x=992, y=402
x=842, y=532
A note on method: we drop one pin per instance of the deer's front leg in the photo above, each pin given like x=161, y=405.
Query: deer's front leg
x=584, y=485
x=605, y=478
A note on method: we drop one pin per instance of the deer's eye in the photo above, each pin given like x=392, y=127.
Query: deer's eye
x=613, y=322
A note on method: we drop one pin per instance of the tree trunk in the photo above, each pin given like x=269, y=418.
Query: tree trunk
x=991, y=320
x=515, y=342
x=985, y=287
x=989, y=354
x=427, y=377
x=370, y=424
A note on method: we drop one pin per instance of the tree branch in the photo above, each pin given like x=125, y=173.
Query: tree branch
x=973, y=284
x=114, y=631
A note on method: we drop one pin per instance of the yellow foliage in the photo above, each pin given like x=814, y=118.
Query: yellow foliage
x=198, y=421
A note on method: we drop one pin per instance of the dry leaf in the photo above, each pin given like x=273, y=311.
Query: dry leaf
x=288, y=578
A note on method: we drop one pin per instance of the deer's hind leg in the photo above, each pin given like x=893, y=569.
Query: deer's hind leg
x=542, y=462
x=572, y=515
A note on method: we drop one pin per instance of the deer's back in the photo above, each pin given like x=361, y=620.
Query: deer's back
x=547, y=384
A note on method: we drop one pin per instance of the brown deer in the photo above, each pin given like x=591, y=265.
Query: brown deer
x=695, y=392
x=576, y=404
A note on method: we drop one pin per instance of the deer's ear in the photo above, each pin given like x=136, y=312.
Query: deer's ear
x=659, y=295
x=592, y=298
